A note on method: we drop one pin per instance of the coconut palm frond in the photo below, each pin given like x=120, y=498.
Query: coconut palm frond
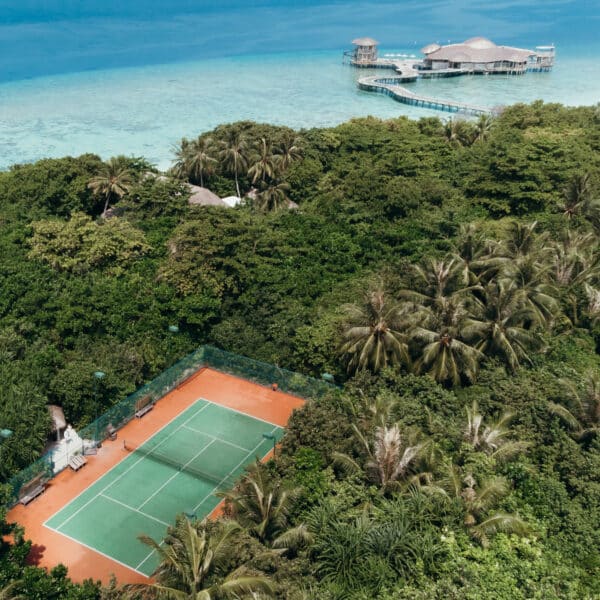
x=565, y=414
x=499, y=523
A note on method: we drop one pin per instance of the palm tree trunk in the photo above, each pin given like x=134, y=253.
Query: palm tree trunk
x=237, y=185
x=106, y=204
x=201, y=179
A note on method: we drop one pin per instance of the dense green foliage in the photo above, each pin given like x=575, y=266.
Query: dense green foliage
x=448, y=275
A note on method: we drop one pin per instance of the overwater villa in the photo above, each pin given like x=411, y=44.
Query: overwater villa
x=481, y=56
x=476, y=56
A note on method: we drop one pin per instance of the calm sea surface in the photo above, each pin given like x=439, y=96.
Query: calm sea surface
x=133, y=77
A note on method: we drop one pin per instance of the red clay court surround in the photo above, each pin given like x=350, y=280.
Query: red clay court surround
x=51, y=548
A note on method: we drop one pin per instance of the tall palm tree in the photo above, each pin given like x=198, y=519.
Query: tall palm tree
x=200, y=161
x=287, y=152
x=272, y=197
x=574, y=262
x=191, y=560
x=234, y=155
x=476, y=255
x=584, y=418
x=478, y=501
x=374, y=333
x=261, y=505
x=443, y=353
x=113, y=180
x=530, y=278
x=522, y=240
x=497, y=326
x=390, y=457
x=264, y=166
x=180, y=163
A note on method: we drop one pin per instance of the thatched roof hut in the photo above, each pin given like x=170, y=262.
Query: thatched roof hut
x=58, y=419
x=477, y=54
x=204, y=197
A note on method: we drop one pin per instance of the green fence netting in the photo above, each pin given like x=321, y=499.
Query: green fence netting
x=205, y=356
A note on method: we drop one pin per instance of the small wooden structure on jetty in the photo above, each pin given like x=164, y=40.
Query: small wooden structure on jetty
x=391, y=86
x=477, y=56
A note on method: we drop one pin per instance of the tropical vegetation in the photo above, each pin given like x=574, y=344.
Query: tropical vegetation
x=446, y=274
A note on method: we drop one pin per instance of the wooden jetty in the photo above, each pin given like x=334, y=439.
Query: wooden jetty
x=391, y=86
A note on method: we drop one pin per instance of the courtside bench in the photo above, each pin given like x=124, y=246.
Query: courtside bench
x=32, y=489
x=143, y=406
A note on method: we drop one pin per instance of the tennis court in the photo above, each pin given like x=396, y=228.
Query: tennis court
x=179, y=469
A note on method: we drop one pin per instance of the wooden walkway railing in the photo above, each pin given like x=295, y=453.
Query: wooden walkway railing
x=391, y=86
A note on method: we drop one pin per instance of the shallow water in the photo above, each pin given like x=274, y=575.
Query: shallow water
x=53, y=107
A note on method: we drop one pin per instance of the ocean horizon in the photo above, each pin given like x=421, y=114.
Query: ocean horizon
x=132, y=79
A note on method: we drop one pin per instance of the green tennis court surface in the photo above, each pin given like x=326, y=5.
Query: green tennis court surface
x=177, y=470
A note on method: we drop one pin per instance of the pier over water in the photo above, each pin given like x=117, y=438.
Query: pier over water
x=476, y=56
x=391, y=86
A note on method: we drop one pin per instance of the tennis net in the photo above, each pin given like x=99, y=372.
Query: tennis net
x=182, y=465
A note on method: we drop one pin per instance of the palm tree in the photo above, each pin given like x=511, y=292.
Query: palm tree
x=113, y=180
x=180, y=164
x=522, y=241
x=272, y=197
x=437, y=282
x=529, y=277
x=390, y=459
x=458, y=132
x=574, y=262
x=593, y=308
x=497, y=325
x=374, y=334
x=191, y=561
x=264, y=167
x=8, y=592
x=584, y=418
x=199, y=160
x=476, y=255
x=483, y=127
x=491, y=439
x=234, y=155
x=287, y=152
x=443, y=353
x=478, y=500
x=577, y=195
x=261, y=505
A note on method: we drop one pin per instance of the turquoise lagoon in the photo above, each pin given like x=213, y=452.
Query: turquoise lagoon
x=107, y=91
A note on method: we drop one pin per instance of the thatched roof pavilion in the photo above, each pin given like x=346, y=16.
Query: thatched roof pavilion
x=478, y=55
x=204, y=197
x=365, y=51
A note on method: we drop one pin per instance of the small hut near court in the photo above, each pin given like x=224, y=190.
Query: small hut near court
x=204, y=197
x=58, y=419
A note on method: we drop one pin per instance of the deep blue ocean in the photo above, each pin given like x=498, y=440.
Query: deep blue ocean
x=133, y=77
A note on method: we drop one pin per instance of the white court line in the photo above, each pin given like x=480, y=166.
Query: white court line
x=178, y=472
x=211, y=493
x=101, y=492
x=134, y=509
x=234, y=469
x=239, y=412
x=217, y=439
x=135, y=569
